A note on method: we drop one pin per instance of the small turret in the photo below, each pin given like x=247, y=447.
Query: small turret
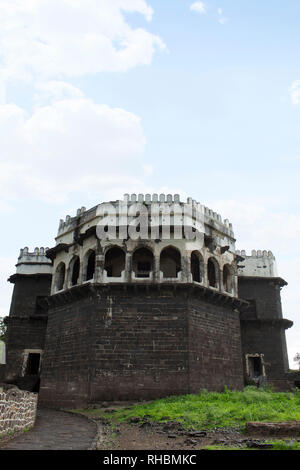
x=34, y=263
x=258, y=264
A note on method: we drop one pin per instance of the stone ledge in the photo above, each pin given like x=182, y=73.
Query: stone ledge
x=271, y=429
x=277, y=322
x=187, y=290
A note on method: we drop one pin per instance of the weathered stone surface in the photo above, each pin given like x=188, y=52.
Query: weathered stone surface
x=269, y=429
x=17, y=409
x=141, y=345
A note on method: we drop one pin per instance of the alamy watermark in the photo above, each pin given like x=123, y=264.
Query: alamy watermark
x=150, y=222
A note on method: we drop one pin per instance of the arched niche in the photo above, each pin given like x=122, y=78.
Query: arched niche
x=227, y=278
x=213, y=273
x=59, y=277
x=74, y=271
x=197, y=266
x=170, y=262
x=142, y=263
x=90, y=264
x=114, y=262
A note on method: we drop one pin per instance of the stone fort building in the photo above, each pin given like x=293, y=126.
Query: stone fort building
x=96, y=319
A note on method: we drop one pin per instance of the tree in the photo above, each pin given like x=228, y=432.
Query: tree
x=297, y=359
x=2, y=329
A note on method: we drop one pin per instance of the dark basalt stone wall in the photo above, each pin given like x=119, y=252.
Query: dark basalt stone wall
x=27, y=321
x=137, y=342
x=26, y=290
x=215, y=352
x=263, y=329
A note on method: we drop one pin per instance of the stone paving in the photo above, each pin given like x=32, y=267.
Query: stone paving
x=55, y=430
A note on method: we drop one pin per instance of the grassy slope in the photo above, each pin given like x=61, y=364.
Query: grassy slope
x=209, y=409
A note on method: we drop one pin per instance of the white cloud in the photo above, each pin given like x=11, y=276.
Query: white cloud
x=71, y=145
x=295, y=92
x=54, y=90
x=259, y=228
x=59, y=39
x=199, y=7
x=223, y=20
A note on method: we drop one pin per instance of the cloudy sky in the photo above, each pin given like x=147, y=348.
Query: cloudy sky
x=103, y=97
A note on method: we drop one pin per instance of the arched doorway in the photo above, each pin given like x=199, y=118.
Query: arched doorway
x=197, y=266
x=90, y=265
x=227, y=278
x=170, y=262
x=213, y=273
x=74, y=270
x=59, y=278
x=142, y=263
x=114, y=262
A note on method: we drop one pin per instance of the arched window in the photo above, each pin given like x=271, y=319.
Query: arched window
x=90, y=267
x=142, y=262
x=170, y=262
x=60, y=277
x=197, y=266
x=114, y=262
x=212, y=272
x=74, y=269
x=227, y=278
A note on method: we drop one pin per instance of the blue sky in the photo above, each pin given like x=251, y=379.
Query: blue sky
x=132, y=96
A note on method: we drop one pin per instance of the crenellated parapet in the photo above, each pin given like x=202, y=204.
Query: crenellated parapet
x=261, y=263
x=35, y=262
x=210, y=218
x=154, y=238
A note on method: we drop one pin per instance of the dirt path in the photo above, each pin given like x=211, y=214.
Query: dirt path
x=55, y=430
x=169, y=436
x=147, y=435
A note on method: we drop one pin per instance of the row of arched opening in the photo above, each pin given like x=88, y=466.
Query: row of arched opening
x=170, y=265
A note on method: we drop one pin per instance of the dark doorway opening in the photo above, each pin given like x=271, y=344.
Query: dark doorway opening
x=195, y=267
x=144, y=269
x=142, y=262
x=255, y=366
x=211, y=273
x=227, y=281
x=170, y=262
x=91, y=267
x=75, y=272
x=33, y=364
x=114, y=262
x=60, y=277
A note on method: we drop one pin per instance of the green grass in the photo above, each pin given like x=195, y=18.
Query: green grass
x=222, y=447
x=277, y=445
x=285, y=445
x=211, y=409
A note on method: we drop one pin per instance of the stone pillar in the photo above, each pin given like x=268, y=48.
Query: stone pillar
x=156, y=268
x=99, y=267
x=186, y=268
x=128, y=267
x=219, y=273
x=82, y=275
x=67, y=282
x=235, y=285
x=204, y=275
